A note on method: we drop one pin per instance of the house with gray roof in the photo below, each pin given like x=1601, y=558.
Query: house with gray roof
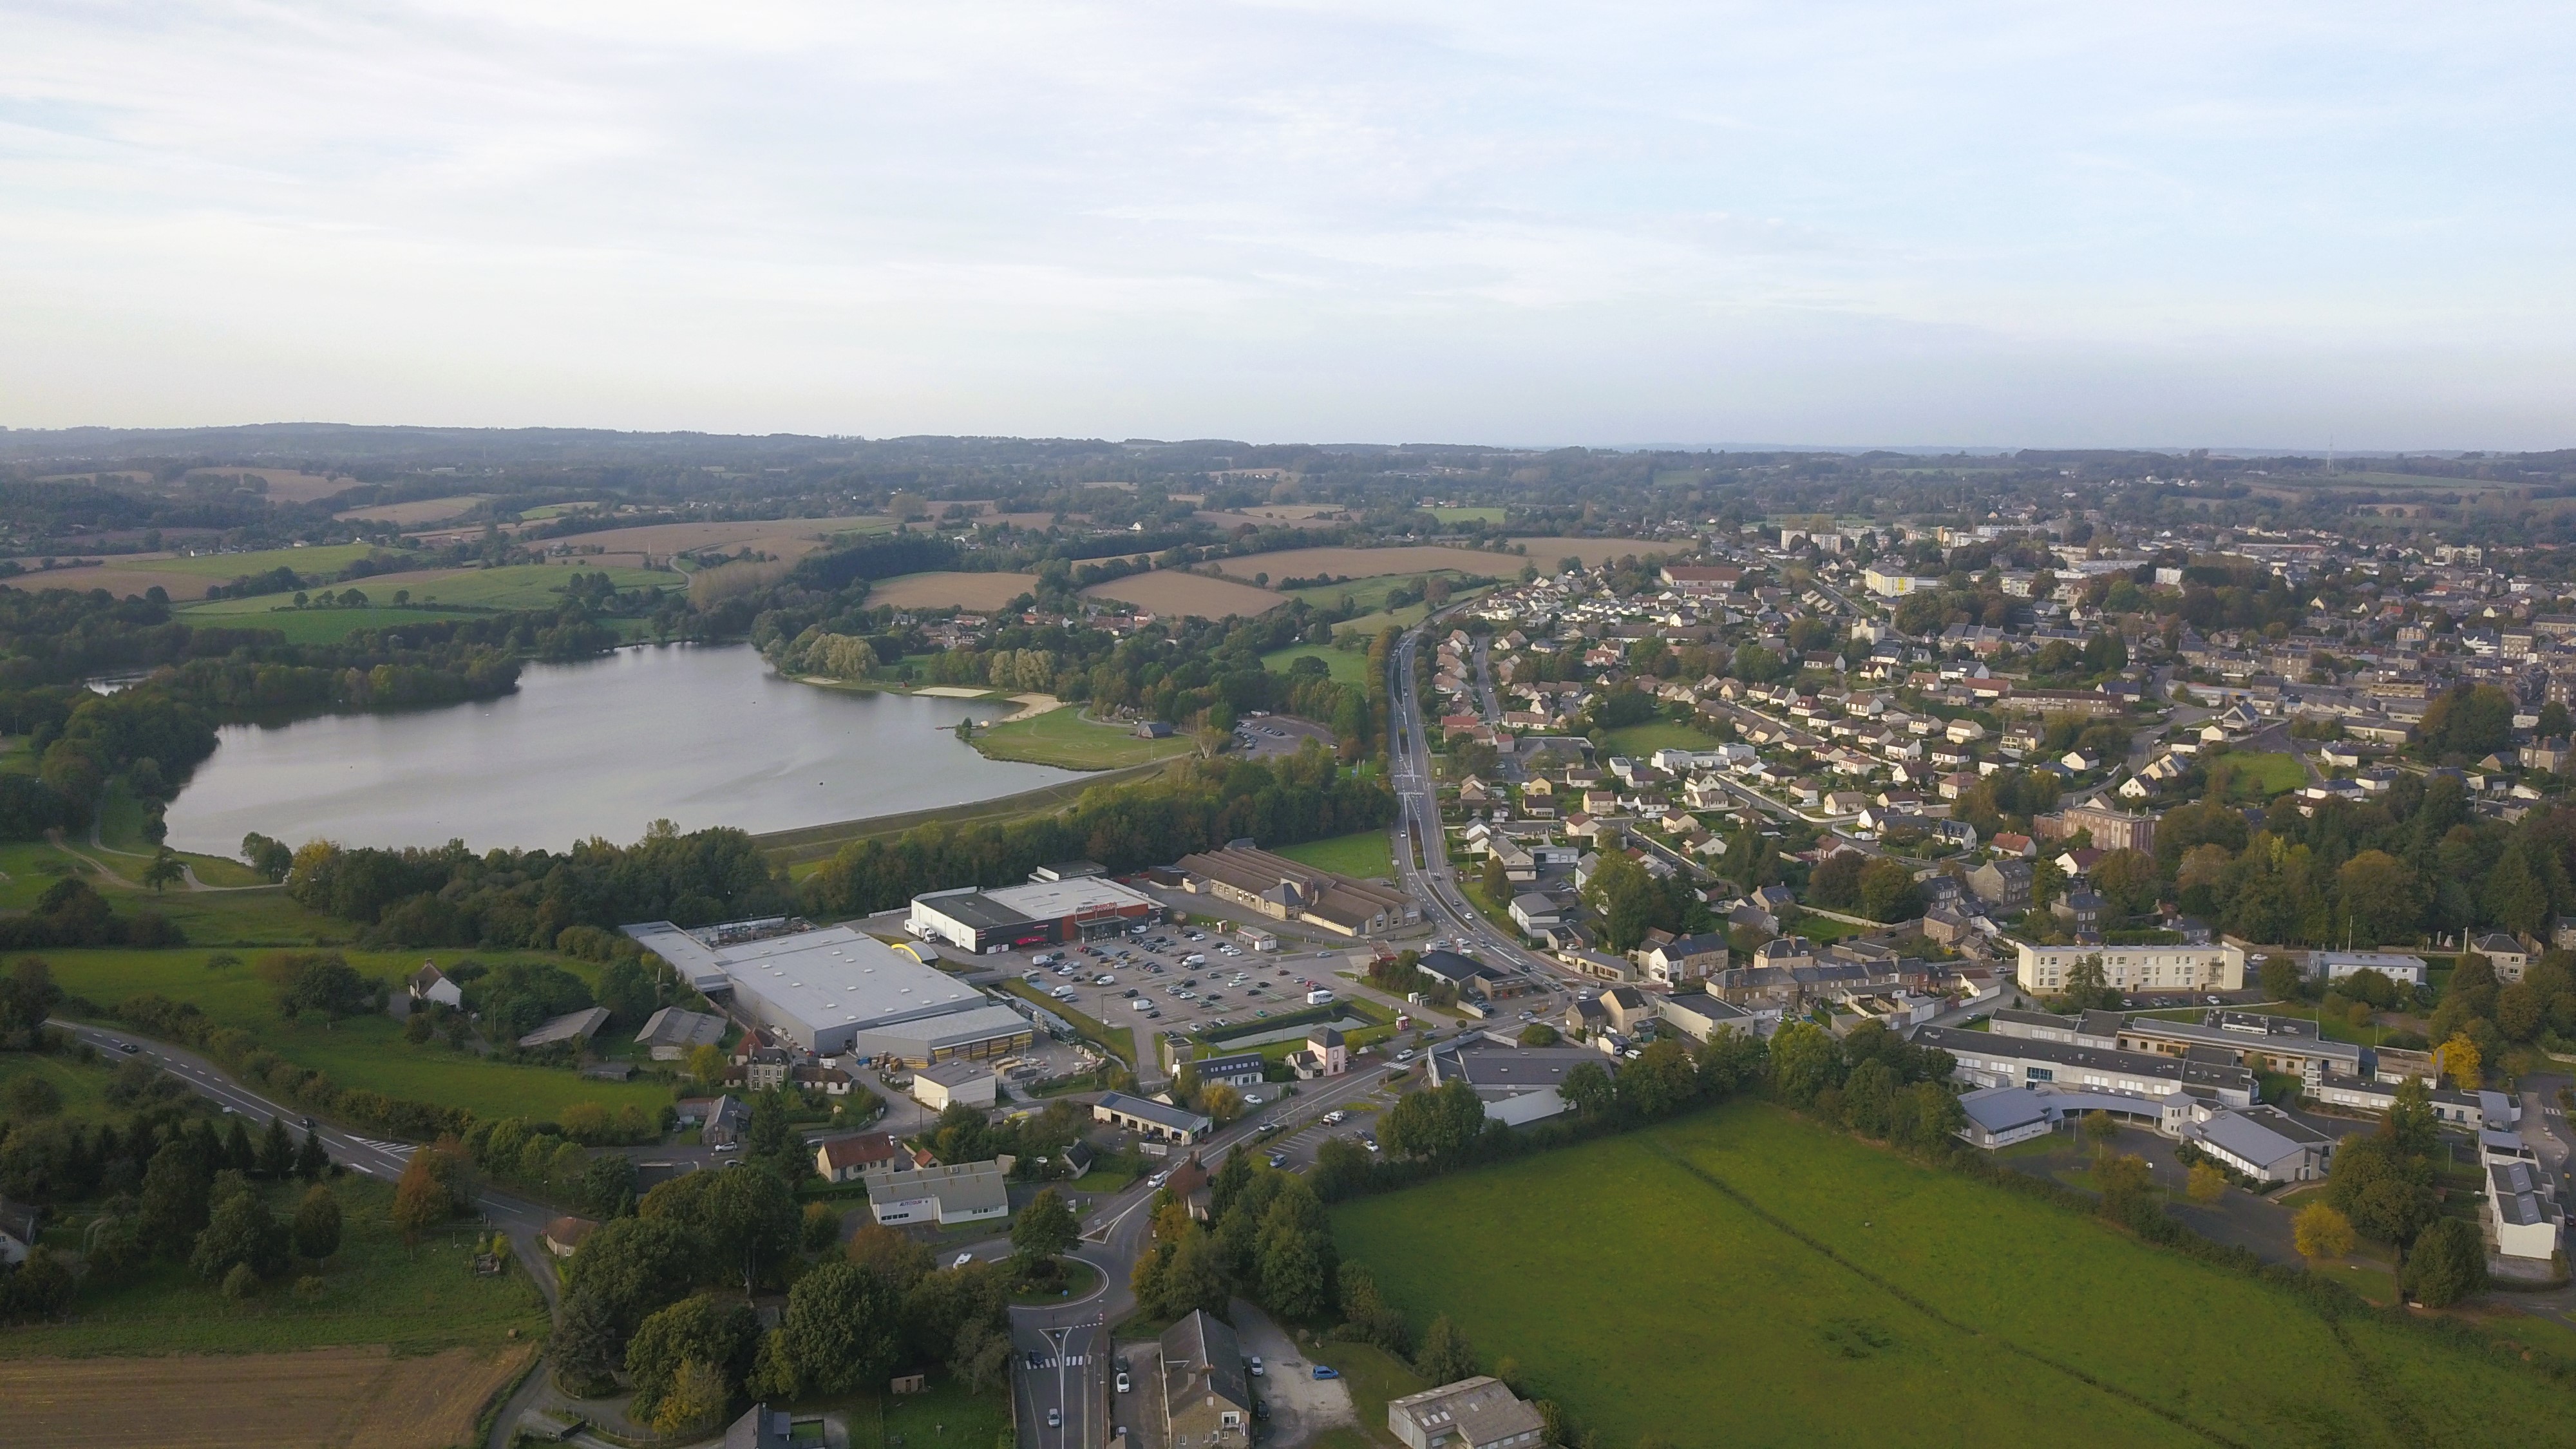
x=1477, y=1413
x=1206, y=1397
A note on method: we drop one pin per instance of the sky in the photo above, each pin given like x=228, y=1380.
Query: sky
x=1827, y=223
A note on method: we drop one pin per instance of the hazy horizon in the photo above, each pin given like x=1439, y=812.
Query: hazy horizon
x=2069, y=229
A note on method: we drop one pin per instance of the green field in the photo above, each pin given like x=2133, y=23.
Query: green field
x=517, y=586
x=1364, y=854
x=2262, y=776
x=1347, y=666
x=366, y=1051
x=310, y=626
x=1742, y=1277
x=327, y=558
x=1466, y=515
x=948, y=1414
x=1639, y=741
x=1063, y=738
x=1369, y=594
x=375, y=1291
x=81, y=1085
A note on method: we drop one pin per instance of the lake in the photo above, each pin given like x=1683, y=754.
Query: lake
x=699, y=735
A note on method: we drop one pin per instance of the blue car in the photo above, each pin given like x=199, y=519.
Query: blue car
x=1327, y=1371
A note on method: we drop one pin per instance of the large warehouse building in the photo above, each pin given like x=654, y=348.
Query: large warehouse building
x=839, y=992
x=1041, y=913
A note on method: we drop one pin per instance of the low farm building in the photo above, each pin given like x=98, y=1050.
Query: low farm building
x=1286, y=890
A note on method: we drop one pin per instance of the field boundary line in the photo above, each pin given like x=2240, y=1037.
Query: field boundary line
x=1818, y=1246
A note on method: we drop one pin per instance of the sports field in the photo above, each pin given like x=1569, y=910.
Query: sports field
x=1063, y=738
x=365, y=1051
x=1363, y=854
x=1742, y=1277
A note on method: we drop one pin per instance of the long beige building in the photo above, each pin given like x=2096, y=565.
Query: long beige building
x=2134, y=968
x=1285, y=890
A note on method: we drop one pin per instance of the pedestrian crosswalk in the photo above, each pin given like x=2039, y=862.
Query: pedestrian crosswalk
x=1070, y=1360
x=390, y=1149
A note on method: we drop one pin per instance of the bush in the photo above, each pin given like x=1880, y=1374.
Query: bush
x=240, y=1283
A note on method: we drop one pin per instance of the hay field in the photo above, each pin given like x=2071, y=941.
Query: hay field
x=189, y=578
x=517, y=586
x=1168, y=591
x=331, y=1396
x=285, y=485
x=951, y=590
x=1596, y=551
x=1364, y=563
x=422, y=510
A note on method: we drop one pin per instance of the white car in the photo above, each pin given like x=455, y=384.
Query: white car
x=962, y=1260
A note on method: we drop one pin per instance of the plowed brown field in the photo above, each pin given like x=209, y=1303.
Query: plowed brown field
x=326, y=1397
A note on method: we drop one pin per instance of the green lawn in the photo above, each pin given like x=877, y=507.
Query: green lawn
x=313, y=626
x=362, y=1051
x=1364, y=854
x=1371, y=594
x=327, y=558
x=1347, y=666
x=376, y=1291
x=1063, y=738
x=2263, y=775
x=1834, y=1294
x=82, y=1085
x=1373, y=1376
x=948, y=1416
x=1639, y=741
x=1466, y=515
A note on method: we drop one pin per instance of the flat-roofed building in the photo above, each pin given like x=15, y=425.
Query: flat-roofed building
x=840, y=992
x=1040, y=913
x=2220, y=967
x=2265, y=1043
x=944, y=1084
x=2397, y=966
x=963, y=1192
x=1990, y=1059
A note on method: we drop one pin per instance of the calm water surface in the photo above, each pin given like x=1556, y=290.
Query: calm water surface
x=702, y=736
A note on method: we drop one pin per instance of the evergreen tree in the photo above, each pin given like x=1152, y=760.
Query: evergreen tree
x=177, y=1189
x=312, y=1161
x=276, y=1151
x=584, y=1345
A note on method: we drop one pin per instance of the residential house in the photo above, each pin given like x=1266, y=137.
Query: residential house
x=1534, y=912
x=1685, y=958
x=860, y=1155
x=2509, y=957
x=2081, y=910
x=430, y=985
x=1236, y=1069
x=18, y=1224
x=721, y=1120
x=564, y=1236
x=1206, y=1397
x=1325, y=1054
x=2002, y=884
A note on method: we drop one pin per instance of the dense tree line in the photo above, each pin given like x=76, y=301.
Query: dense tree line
x=448, y=896
x=1266, y=1238
x=1197, y=805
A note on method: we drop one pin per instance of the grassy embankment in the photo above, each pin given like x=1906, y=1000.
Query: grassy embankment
x=1874, y=1301
x=1365, y=854
x=1064, y=739
x=365, y=1051
x=1118, y=1041
x=803, y=850
x=375, y=1290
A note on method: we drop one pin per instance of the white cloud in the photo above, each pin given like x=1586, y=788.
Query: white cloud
x=1838, y=222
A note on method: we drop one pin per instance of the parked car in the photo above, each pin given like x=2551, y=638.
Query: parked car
x=1256, y=1365
x=1327, y=1371
x=962, y=1260
x=1123, y=1384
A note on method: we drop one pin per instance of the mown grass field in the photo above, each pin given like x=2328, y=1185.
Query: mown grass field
x=1347, y=666
x=367, y=1051
x=311, y=626
x=1370, y=594
x=1362, y=854
x=1639, y=741
x=1466, y=515
x=2262, y=776
x=224, y=567
x=375, y=1291
x=517, y=586
x=1063, y=738
x=1742, y=1277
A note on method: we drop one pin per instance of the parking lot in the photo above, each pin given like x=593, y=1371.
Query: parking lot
x=1263, y=735
x=1176, y=978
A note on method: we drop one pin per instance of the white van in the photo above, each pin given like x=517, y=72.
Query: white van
x=1318, y=997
